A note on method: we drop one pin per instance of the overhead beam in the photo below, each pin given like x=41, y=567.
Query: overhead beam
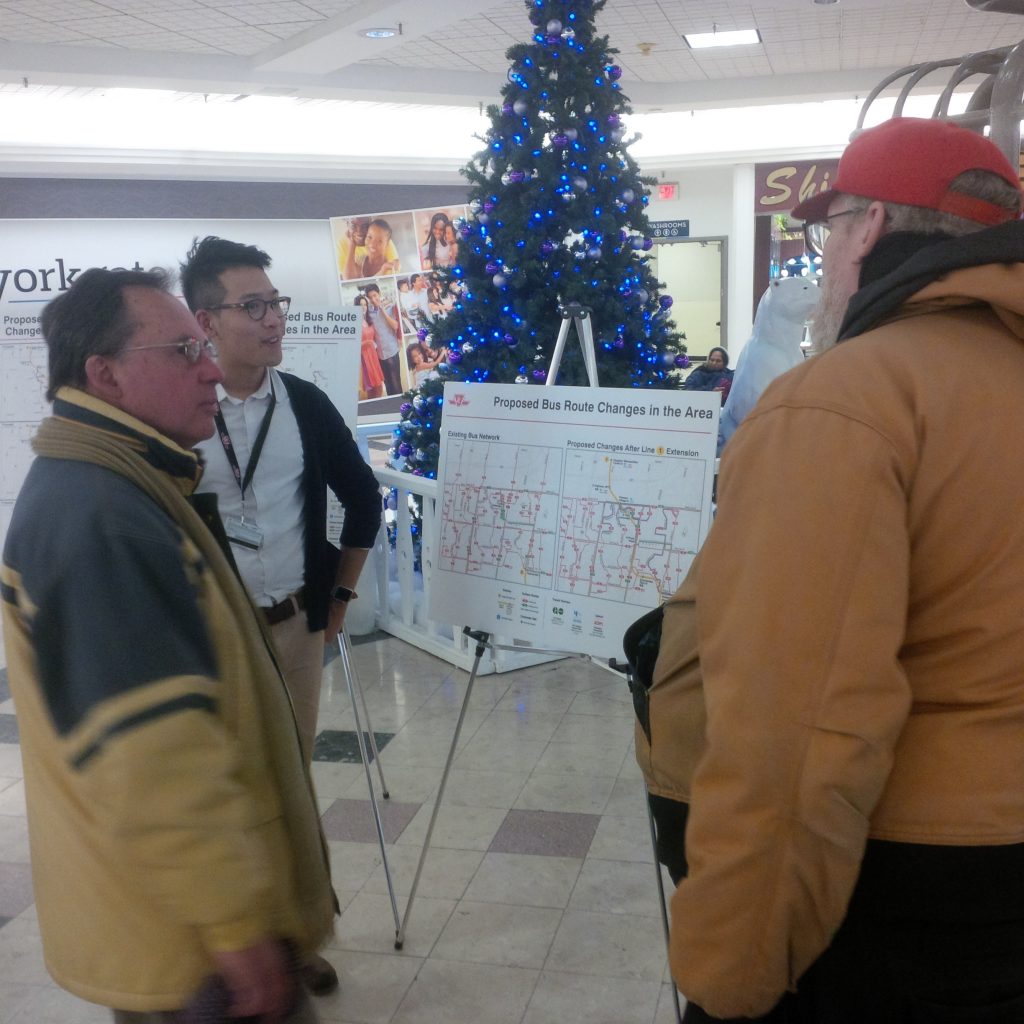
x=94, y=67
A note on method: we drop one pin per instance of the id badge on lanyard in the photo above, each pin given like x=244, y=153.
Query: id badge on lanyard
x=241, y=531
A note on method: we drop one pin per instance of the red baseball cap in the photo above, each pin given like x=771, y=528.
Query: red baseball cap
x=912, y=161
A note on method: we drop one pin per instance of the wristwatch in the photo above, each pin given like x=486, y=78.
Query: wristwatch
x=346, y=594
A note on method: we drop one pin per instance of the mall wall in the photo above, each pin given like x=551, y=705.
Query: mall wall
x=707, y=198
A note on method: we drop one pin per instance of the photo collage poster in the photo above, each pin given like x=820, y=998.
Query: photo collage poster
x=392, y=266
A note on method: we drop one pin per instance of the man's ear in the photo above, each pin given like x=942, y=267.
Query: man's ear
x=101, y=378
x=868, y=230
x=207, y=321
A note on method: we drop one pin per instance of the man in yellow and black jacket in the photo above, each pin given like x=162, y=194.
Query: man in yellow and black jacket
x=173, y=827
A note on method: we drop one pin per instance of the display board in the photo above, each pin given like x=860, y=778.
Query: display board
x=564, y=513
x=40, y=259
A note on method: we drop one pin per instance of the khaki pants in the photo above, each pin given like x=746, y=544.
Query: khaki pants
x=301, y=654
x=304, y=1013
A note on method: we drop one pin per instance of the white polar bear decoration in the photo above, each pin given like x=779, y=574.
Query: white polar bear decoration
x=773, y=348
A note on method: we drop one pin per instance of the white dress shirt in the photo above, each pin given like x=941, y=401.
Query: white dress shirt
x=273, y=499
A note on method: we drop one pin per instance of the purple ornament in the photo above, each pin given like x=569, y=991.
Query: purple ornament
x=491, y=267
x=404, y=449
x=454, y=357
x=682, y=361
x=417, y=472
x=488, y=205
x=619, y=342
x=508, y=339
x=648, y=244
x=665, y=301
x=405, y=408
x=614, y=72
x=506, y=109
x=465, y=231
x=559, y=140
x=516, y=176
x=613, y=120
x=552, y=40
x=547, y=247
x=539, y=374
x=422, y=333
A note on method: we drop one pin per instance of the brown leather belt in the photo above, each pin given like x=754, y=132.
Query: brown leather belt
x=285, y=609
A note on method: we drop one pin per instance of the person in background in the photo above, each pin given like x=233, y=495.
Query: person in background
x=375, y=259
x=856, y=823
x=435, y=251
x=174, y=831
x=451, y=239
x=422, y=361
x=387, y=329
x=712, y=375
x=280, y=444
x=372, y=376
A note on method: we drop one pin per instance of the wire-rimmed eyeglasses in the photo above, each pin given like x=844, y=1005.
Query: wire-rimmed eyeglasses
x=190, y=348
x=816, y=233
x=256, y=309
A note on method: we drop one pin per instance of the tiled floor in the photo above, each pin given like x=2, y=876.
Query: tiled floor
x=538, y=900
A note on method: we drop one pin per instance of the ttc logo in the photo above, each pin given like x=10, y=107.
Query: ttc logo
x=458, y=399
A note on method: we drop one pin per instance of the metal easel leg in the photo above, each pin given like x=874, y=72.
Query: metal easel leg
x=353, y=684
x=661, y=897
x=351, y=673
x=481, y=646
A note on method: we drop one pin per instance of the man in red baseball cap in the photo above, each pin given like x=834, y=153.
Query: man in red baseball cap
x=856, y=829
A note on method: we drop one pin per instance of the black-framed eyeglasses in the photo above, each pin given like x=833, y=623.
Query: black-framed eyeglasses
x=816, y=234
x=256, y=309
x=190, y=348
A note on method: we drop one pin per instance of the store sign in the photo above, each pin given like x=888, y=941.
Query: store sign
x=780, y=187
x=669, y=229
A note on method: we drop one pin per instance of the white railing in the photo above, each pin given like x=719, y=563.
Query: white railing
x=402, y=593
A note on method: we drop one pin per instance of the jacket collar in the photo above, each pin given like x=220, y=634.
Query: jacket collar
x=88, y=411
x=889, y=282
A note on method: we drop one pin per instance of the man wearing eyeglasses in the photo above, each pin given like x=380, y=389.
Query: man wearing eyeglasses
x=174, y=833
x=856, y=831
x=279, y=445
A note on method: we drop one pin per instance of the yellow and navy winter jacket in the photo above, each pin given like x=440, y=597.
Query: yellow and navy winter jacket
x=170, y=812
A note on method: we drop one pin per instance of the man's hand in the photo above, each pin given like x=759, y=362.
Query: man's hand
x=335, y=621
x=259, y=981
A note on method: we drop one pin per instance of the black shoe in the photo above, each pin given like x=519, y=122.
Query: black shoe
x=318, y=975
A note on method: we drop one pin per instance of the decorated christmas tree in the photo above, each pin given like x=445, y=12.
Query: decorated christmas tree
x=557, y=216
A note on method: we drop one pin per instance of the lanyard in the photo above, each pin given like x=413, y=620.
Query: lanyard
x=257, y=448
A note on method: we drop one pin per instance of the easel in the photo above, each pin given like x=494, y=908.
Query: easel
x=573, y=314
x=354, y=686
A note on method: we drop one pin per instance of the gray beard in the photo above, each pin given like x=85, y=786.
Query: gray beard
x=827, y=318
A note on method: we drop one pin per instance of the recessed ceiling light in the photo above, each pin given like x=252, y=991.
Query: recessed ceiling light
x=379, y=33
x=825, y=3
x=703, y=40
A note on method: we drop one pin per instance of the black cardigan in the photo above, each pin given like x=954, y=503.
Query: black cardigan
x=330, y=458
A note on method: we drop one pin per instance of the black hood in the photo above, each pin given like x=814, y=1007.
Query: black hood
x=903, y=263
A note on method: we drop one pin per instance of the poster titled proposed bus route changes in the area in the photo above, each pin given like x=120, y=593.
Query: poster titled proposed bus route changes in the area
x=565, y=513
